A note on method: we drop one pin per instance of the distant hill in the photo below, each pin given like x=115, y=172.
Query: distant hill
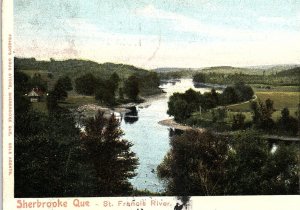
x=170, y=69
x=257, y=70
x=75, y=68
x=51, y=70
x=290, y=72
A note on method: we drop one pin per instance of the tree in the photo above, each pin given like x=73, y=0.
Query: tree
x=22, y=85
x=199, y=77
x=65, y=83
x=61, y=87
x=262, y=114
x=253, y=169
x=86, y=84
x=287, y=123
x=37, y=81
x=121, y=94
x=149, y=80
x=195, y=164
x=229, y=96
x=50, y=162
x=131, y=87
x=105, y=95
x=238, y=121
x=111, y=156
x=244, y=92
x=179, y=107
x=193, y=99
x=113, y=83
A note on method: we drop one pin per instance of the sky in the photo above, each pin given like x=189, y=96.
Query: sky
x=160, y=33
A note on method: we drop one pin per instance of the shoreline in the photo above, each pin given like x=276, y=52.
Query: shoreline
x=122, y=109
x=173, y=124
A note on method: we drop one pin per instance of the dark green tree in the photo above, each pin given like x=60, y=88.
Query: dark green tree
x=195, y=164
x=86, y=84
x=244, y=92
x=229, y=96
x=199, y=77
x=36, y=81
x=262, y=114
x=288, y=124
x=132, y=87
x=238, y=121
x=254, y=169
x=179, y=108
x=61, y=87
x=111, y=156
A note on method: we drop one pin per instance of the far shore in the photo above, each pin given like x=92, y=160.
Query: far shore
x=91, y=109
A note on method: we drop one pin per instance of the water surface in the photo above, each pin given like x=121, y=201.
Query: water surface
x=151, y=140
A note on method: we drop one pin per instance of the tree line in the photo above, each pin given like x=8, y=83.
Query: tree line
x=287, y=77
x=50, y=162
x=182, y=105
x=206, y=164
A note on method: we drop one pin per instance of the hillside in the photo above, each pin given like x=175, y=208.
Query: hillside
x=257, y=70
x=74, y=68
x=50, y=71
x=290, y=72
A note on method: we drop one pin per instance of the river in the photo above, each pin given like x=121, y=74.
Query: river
x=151, y=140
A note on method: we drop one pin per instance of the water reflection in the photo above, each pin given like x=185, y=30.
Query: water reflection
x=151, y=140
x=132, y=116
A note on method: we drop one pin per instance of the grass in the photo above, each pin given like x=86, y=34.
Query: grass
x=284, y=96
x=281, y=100
x=71, y=102
x=78, y=100
x=40, y=106
x=268, y=88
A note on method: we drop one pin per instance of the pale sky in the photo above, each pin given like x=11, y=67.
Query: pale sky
x=161, y=33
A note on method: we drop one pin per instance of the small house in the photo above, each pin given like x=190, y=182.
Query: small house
x=35, y=95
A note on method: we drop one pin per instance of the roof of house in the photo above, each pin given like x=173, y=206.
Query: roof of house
x=35, y=92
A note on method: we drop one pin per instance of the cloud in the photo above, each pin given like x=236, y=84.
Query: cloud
x=272, y=20
x=182, y=23
x=232, y=46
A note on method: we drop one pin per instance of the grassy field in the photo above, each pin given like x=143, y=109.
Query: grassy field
x=78, y=100
x=268, y=88
x=72, y=101
x=281, y=100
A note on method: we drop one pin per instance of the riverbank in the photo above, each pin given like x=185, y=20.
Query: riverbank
x=91, y=108
x=173, y=124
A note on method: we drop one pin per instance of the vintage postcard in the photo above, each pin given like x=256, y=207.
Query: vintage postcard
x=151, y=105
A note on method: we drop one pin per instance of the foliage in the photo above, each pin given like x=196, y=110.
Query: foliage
x=112, y=159
x=86, y=84
x=195, y=164
x=182, y=105
x=61, y=87
x=238, y=121
x=36, y=81
x=50, y=162
x=75, y=68
x=253, y=169
x=199, y=77
x=288, y=124
x=202, y=163
x=132, y=87
x=262, y=114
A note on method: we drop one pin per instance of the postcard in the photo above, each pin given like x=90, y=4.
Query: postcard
x=151, y=105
